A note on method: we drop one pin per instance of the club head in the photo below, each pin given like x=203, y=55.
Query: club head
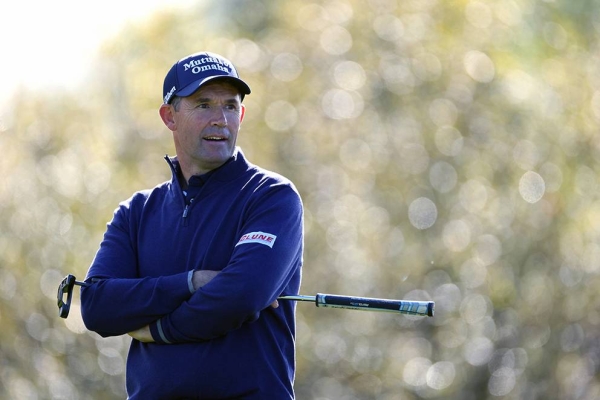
x=65, y=287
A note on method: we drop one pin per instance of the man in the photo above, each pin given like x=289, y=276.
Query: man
x=192, y=268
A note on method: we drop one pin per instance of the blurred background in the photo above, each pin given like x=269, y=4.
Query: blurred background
x=444, y=150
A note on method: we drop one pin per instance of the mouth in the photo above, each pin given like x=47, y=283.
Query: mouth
x=215, y=138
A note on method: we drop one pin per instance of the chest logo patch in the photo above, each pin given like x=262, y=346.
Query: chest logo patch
x=258, y=237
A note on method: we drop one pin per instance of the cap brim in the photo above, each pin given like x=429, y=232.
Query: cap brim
x=192, y=87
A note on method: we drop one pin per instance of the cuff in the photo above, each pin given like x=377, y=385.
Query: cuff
x=189, y=281
x=157, y=332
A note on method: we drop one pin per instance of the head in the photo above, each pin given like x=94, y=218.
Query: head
x=202, y=106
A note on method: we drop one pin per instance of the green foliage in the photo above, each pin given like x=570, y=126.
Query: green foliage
x=444, y=150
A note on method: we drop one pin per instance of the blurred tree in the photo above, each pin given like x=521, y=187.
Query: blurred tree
x=444, y=151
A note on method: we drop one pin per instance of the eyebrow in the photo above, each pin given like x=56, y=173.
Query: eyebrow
x=231, y=100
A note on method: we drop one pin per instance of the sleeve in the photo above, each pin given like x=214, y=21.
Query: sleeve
x=117, y=301
x=267, y=256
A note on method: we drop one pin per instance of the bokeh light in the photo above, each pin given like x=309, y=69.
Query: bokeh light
x=444, y=151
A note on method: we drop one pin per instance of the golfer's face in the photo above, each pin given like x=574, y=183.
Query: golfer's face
x=207, y=124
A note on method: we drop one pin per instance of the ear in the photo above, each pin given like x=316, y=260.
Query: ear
x=243, y=112
x=167, y=112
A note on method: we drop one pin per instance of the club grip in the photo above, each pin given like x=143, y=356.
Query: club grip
x=372, y=304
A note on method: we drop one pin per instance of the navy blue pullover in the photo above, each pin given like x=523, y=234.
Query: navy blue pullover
x=222, y=341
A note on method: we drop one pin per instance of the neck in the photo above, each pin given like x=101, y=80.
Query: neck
x=190, y=170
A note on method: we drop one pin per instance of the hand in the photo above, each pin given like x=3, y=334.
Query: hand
x=142, y=334
x=202, y=277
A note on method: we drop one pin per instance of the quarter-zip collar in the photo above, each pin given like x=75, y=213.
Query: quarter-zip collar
x=227, y=172
x=232, y=169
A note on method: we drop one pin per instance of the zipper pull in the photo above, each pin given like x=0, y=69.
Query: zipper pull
x=186, y=211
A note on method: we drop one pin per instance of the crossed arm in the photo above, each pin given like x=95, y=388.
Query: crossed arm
x=152, y=307
x=199, y=279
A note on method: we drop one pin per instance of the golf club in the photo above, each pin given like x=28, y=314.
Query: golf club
x=421, y=308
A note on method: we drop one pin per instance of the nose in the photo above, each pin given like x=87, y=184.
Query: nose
x=219, y=117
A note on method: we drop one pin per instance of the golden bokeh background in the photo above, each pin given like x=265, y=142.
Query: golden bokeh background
x=444, y=150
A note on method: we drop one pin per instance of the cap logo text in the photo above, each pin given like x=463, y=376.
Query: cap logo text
x=205, y=64
x=168, y=96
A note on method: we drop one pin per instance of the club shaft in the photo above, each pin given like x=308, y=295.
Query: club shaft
x=424, y=308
